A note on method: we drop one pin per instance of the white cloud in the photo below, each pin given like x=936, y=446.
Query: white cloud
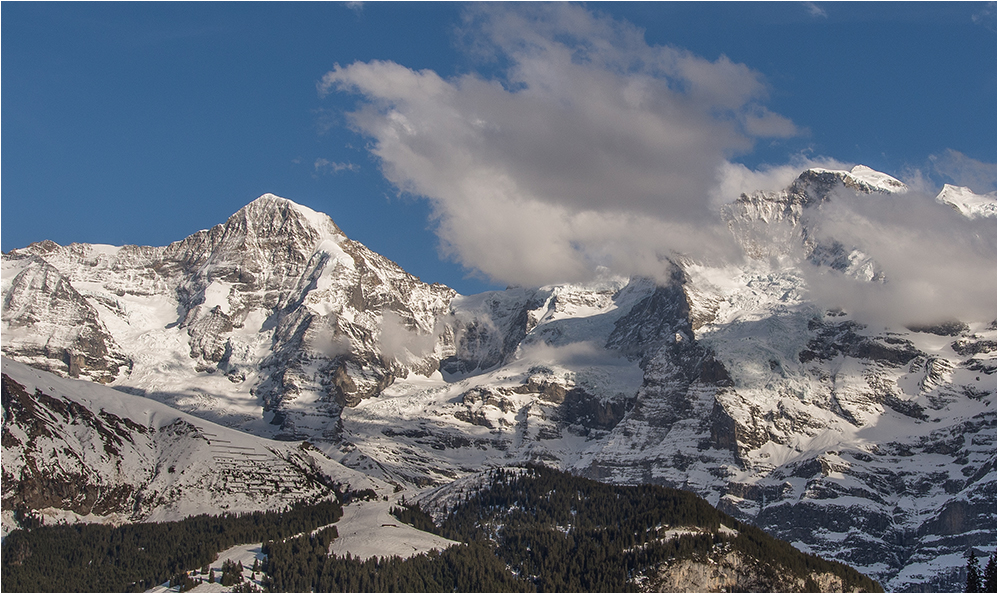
x=815, y=10
x=986, y=16
x=961, y=170
x=331, y=167
x=939, y=265
x=596, y=149
x=763, y=123
x=574, y=354
x=397, y=341
x=329, y=345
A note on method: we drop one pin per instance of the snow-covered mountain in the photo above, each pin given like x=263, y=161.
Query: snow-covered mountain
x=74, y=450
x=870, y=445
x=967, y=202
x=274, y=313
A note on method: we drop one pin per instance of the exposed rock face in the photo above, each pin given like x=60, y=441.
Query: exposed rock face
x=873, y=446
x=806, y=422
x=50, y=324
x=30, y=419
x=733, y=572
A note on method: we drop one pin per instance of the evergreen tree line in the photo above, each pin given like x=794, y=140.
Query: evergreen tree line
x=532, y=530
x=568, y=533
x=135, y=557
x=977, y=581
x=303, y=564
x=414, y=516
x=543, y=530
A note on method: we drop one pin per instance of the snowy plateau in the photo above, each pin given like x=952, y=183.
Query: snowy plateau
x=270, y=357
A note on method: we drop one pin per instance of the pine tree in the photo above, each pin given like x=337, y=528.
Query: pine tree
x=990, y=581
x=973, y=574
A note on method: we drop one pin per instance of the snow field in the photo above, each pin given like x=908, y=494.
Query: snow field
x=367, y=530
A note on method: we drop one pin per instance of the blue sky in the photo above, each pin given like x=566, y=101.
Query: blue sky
x=142, y=123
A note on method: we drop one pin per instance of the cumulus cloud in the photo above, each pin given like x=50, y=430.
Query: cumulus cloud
x=593, y=149
x=938, y=265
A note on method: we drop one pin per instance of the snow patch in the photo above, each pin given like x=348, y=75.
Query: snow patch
x=367, y=529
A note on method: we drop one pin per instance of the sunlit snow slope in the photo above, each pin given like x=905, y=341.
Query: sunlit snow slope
x=79, y=450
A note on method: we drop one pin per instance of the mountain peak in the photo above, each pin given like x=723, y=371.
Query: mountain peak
x=814, y=185
x=860, y=178
x=968, y=203
x=271, y=214
x=268, y=197
x=877, y=180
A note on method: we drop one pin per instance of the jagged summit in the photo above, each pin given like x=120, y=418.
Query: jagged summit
x=877, y=180
x=266, y=227
x=270, y=208
x=275, y=308
x=816, y=184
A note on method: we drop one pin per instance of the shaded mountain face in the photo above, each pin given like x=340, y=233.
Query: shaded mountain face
x=870, y=445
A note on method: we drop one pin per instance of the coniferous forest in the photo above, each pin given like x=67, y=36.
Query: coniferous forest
x=135, y=557
x=544, y=530
x=523, y=530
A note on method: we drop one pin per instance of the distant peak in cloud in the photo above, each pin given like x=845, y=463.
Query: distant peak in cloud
x=591, y=150
x=937, y=259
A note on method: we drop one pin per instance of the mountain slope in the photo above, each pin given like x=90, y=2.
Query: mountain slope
x=73, y=449
x=274, y=314
x=868, y=444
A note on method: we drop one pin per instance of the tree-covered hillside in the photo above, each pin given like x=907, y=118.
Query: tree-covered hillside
x=538, y=529
x=567, y=533
x=523, y=529
x=135, y=557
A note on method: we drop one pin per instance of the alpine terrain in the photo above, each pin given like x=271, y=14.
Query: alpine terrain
x=270, y=357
